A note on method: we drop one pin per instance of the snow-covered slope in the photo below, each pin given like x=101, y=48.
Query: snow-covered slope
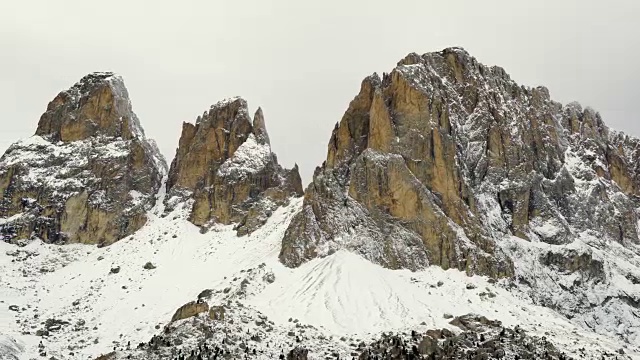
x=340, y=296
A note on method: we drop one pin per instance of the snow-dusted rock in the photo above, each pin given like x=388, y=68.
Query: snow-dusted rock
x=449, y=162
x=88, y=174
x=225, y=164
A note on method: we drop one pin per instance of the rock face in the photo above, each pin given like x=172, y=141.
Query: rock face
x=88, y=175
x=224, y=164
x=436, y=162
x=189, y=310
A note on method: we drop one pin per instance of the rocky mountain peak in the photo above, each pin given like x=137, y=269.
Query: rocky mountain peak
x=438, y=160
x=97, y=105
x=88, y=174
x=225, y=166
x=445, y=161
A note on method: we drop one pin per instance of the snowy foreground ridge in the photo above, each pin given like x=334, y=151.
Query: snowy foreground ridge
x=341, y=296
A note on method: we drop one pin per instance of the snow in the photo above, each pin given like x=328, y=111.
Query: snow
x=10, y=219
x=546, y=229
x=137, y=198
x=341, y=294
x=225, y=102
x=54, y=165
x=9, y=348
x=249, y=158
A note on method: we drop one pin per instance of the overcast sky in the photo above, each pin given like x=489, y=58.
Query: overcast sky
x=303, y=61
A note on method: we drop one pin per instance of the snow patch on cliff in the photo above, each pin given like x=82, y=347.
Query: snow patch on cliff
x=250, y=157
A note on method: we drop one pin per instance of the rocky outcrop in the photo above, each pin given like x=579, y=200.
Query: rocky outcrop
x=436, y=162
x=224, y=164
x=298, y=353
x=216, y=313
x=570, y=261
x=88, y=175
x=480, y=339
x=189, y=310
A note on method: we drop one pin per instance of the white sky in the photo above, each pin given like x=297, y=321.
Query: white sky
x=303, y=61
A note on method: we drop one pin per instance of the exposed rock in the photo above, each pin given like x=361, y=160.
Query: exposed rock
x=149, y=266
x=88, y=175
x=473, y=322
x=189, y=310
x=205, y=294
x=225, y=165
x=217, y=313
x=115, y=270
x=428, y=345
x=109, y=356
x=443, y=158
x=207, y=338
x=269, y=277
x=570, y=261
x=487, y=342
x=298, y=353
x=54, y=324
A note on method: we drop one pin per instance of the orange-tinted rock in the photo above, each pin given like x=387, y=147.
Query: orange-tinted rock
x=89, y=174
x=225, y=165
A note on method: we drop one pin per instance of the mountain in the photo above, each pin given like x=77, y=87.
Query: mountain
x=445, y=161
x=440, y=159
x=457, y=215
x=88, y=175
x=225, y=166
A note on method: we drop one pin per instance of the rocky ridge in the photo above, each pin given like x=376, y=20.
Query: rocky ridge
x=88, y=175
x=451, y=156
x=225, y=166
x=445, y=161
x=252, y=335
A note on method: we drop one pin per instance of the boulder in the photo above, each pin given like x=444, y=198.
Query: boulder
x=474, y=322
x=428, y=345
x=189, y=310
x=217, y=313
x=298, y=353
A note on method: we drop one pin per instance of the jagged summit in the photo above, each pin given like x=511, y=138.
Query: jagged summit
x=224, y=164
x=88, y=174
x=445, y=161
x=97, y=105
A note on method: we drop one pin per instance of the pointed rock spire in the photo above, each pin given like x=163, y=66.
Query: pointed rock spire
x=260, y=129
x=225, y=164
